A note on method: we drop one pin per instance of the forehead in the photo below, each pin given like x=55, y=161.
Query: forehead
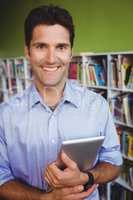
x=50, y=34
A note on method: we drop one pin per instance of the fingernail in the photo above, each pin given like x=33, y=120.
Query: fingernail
x=80, y=188
x=63, y=155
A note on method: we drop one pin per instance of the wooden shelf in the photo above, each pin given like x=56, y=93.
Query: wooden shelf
x=124, y=184
x=97, y=87
x=123, y=124
x=127, y=157
x=122, y=89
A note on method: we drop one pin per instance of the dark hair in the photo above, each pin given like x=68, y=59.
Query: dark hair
x=50, y=15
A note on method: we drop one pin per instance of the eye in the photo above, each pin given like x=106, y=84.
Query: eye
x=40, y=46
x=62, y=46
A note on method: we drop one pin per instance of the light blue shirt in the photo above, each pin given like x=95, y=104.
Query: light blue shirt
x=31, y=134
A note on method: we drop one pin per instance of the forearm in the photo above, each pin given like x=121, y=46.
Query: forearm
x=20, y=191
x=105, y=172
x=15, y=190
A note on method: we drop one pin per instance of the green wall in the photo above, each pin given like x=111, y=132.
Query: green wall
x=101, y=25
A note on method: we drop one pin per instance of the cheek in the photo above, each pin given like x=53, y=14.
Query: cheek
x=34, y=61
x=36, y=57
x=65, y=59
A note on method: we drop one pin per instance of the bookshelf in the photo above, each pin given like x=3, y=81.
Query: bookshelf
x=111, y=75
x=124, y=184
x=15, y=76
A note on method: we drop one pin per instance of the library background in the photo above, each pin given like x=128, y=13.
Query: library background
x=102, y=61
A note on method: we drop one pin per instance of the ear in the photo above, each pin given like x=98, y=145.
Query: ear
x=27, y=52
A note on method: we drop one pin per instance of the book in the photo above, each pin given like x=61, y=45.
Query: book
x=126, y=109
x=125, y=70
x=84, y=81
x=119, y=70
x=87, y=74
x=114, y=73
x=92, y=75
x=130, y=79
x=130, y=146
x=99, y=74
x=73, y=71
x=79, y=72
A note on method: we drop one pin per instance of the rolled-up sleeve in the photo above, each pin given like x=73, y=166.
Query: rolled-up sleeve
x=110, y=150
x=5, y=170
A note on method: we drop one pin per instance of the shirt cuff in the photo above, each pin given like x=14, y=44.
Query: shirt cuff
x=5, y=178
x=115, y=157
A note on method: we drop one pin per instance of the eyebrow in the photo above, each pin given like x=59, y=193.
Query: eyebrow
x=63, y=44
x=58, y=44
x=38, y=43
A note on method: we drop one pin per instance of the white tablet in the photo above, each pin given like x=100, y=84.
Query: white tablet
x=83, y=151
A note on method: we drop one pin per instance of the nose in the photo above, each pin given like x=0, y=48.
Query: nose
x=51, y=56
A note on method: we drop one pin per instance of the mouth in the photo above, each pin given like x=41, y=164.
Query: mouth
x=50, y=69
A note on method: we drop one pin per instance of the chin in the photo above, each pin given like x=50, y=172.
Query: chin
x=50, y=84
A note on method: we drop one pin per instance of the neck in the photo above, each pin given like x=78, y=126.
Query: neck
x=51, y=95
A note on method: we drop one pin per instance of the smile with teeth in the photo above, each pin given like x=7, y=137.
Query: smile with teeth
x=50, y=69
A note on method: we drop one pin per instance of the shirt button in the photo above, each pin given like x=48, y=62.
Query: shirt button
x=53, y=141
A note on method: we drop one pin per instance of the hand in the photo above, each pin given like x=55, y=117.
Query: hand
x=71, y=176
x=71, y=193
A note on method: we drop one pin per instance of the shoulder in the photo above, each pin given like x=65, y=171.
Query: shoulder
x=87, y=96
x=15, y=103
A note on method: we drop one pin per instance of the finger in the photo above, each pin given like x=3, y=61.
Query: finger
x=67, y=161
x=47, y=180
x=91, y=189
x=58, y=176
x=87, y=193
x=53, y=168
x=58, y=162
x=82, y=195
x=52, y=180
x=49, y=172
x=47, y=177
x=72, y=190
x=73, y=197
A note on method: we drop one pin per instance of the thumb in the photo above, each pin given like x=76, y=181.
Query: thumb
x=67, y=161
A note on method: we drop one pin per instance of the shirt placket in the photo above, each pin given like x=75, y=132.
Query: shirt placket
x=52, y=138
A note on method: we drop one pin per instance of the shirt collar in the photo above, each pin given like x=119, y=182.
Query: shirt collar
x=71, y=95
x=34, y=96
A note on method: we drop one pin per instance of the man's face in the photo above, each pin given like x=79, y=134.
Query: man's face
x=49, y=55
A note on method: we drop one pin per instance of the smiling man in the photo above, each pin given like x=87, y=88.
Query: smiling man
x=49, y=57
x=52, y=109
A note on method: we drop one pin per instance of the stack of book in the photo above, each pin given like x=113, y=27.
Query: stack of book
x=15, y=76
x=90, y=73
x=126, y=141
x=121, y=71
x=122, y=108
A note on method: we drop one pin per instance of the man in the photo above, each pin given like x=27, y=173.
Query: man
x=33, y=125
